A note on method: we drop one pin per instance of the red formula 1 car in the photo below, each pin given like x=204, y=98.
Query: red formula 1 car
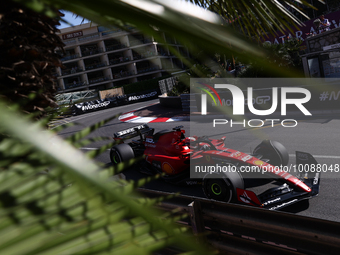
x=220, y=170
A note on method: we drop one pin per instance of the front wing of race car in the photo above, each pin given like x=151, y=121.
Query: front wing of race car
x=285, y=195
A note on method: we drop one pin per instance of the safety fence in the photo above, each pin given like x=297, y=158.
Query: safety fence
x=238, y=229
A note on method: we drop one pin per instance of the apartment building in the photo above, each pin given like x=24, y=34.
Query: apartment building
x=97, y=58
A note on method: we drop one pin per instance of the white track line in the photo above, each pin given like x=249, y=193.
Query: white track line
x=141, y=119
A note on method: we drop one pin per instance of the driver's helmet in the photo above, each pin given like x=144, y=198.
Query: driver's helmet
x=205, y=147
x=189, y=139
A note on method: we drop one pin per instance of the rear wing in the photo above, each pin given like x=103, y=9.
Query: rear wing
x=134, y=131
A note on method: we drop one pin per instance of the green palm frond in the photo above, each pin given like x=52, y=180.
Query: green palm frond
x=261, y=15
x=54, y=200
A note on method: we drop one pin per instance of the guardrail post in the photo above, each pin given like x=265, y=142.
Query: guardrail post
x=196, y=217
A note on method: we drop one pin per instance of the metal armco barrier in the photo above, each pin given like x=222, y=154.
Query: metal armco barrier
x=239, y=229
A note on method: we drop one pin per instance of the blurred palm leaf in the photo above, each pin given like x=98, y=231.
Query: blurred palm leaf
x=258, y=17
x=73, y=207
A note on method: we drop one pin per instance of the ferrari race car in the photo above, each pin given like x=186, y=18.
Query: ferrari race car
x=222, y=170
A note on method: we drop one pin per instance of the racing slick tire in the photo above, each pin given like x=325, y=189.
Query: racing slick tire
x=121, y=153
x=222, y=186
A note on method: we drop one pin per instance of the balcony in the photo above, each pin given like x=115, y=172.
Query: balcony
x=119, y=60
x=145, y=54
x=148, y=69
x=123, y=74
x=135, y=42
x=116, y=47
x=95, y=66
x=88, y=37
x=99, y=79
x=92, y=52
x=69, y=57
x=70, y=42
x=71, y=71
x=148, y=53
x=75, y=85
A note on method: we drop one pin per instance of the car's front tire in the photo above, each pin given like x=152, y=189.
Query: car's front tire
x=222, y=186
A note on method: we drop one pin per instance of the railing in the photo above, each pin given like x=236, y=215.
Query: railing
x=75, y=85
x=88, y=37
x=148, y=53
x=123, y=74
x=239, y=229
x=99, y=79
x=106, y=33
x=117, y=30
x=116, y=47
x=138, y=42
x=95, y=66
x=163, y=53
x=71, y=71
x=91, y=52
x=145, y=54
x=69, y=57
x=119, y=60
x=148, y=69
x=70, y=42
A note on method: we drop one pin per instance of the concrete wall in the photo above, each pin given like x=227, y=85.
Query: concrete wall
x=317, y=42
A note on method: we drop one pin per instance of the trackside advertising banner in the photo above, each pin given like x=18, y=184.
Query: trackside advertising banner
x=94, y=106
x=264, y=114
x=143, y=96
x=114, y=101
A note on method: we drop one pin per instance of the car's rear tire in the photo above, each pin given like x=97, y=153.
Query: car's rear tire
x=121, y=153
x=222, y=186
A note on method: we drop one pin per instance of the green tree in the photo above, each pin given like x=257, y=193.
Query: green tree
x=285, y=56
x=28, y=41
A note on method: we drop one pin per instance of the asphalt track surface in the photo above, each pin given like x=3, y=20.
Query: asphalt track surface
x=318, y=135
